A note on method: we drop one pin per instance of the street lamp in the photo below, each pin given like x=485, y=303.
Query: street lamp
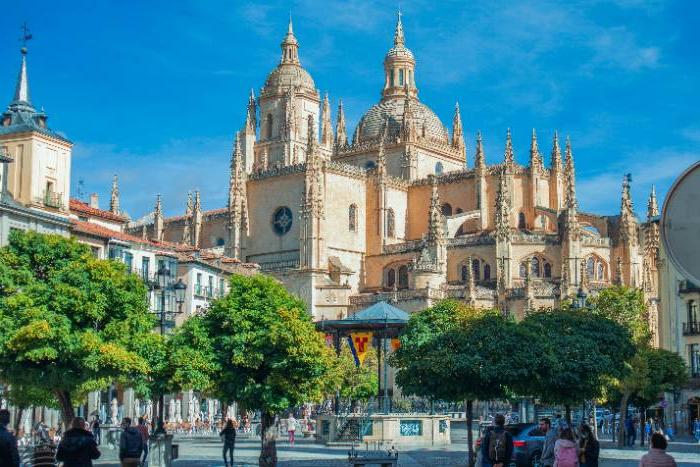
x=162, y=284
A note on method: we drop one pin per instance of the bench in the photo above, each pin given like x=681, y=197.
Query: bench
x=381, y=458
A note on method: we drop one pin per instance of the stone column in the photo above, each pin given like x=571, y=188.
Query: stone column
x=128, y=403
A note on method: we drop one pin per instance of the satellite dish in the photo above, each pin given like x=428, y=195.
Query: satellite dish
x=680, y=223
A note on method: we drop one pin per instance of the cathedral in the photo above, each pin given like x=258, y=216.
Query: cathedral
x=396, y=213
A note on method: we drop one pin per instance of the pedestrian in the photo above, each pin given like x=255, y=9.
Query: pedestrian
x=550, y=437
x=291, y=428
x=499, y=444
x=647, y=429
x=97, y=429
x=130, y=445
x=657, y=456
x=565, y=450
x=143, y=429
x=588, y=447
x=228, y=436
x=9, y=455
x=77, y=447
x=629, y=431
x=696, y=430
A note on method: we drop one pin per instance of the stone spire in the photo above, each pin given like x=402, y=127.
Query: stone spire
x=158, y=220
x=535, y=156
x=341, y=135
x=509, y=155
x=187, y=229
x=399, y=40
x=479, y=158
x=197, y=220
x=652, y=206
x=290, y=115
x=114, y=199
x=628, y=223
x=381, y=154
x=21, y=97
x=502, y=208
x=236, y=203
x=190, y=206
x=457, y=132
x=326, y=125
x=251, y=120
x=569, y=171
x=408, y=124
x=556, y=154
x=436, y=231
x=290, y=46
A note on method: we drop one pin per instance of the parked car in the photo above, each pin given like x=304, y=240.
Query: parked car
x=527, y=444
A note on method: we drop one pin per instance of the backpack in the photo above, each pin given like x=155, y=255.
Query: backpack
x=133, y=443
x=567, y=456
x=498, y=446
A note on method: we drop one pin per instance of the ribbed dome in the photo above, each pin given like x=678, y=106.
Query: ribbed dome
x=287, y=74
x=399, y=51
x=373, y=120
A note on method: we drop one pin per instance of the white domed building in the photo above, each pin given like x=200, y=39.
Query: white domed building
x=397, y=214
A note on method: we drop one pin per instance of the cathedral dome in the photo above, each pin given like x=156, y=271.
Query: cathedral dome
x=289, y=74
x=427, y=123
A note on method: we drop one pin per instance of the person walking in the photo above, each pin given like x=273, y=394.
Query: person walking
x=9, y=455
x=499, y=444
x=130, y=445
x=588, y=447
x=77, y=447
x=97, y=429
x=657, y=456
x=629, y=431
x=228, y=436
x=550, y=437
x=696, y=430
x=565, y=450
x=143, y=429
x=291, y=428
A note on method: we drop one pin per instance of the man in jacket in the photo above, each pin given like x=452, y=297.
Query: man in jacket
x=550, y=438
x=130, y=445
x=77, y=447
x=498, y=444
x=9, y=455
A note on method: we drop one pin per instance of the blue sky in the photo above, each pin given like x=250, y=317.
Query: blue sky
x=153, y=91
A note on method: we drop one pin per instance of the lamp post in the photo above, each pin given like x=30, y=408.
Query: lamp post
x=163, y=284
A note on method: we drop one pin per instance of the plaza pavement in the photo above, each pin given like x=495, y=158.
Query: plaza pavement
x=206, y=452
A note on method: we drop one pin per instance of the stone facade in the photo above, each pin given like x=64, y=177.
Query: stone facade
x=396, y=213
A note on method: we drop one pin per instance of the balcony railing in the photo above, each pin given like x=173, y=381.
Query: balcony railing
x=691, y=328
x=53, y=199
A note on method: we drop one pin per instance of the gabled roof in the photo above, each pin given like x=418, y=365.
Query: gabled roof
x=84, y=208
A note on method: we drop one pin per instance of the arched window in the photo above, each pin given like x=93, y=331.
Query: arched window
x=476, y=269
x=487, y=272
x=535, y=267
x=464, y=271
x=369, y=165
x=547, y=270
x=438, y=167
x=390, y=224
x=521, y=220
x=391, y=79
x=446, y=209
x=523, y=269
x=391, y=277
x=352, y=218
x=601, y=271
x=590, y=268
x=403, y=277
x=400, y=77
x=268, y=126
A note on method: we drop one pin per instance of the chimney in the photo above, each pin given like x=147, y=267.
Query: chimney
x=94, y=201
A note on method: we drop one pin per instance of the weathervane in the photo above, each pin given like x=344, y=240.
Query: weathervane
x=26, y=36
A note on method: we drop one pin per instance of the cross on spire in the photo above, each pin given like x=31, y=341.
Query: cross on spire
x=26, y=36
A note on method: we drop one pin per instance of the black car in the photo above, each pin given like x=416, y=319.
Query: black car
x=527, y=443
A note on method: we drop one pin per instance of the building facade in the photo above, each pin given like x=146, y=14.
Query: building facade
x=397, y=212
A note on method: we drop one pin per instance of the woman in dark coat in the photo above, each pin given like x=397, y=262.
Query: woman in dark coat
x=588, y=447
x=77, y=447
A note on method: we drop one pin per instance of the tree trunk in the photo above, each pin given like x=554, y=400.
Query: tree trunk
x=642, y=426
x=18, y=419
x=268, y=450
x=66, y=404
x=469, y=408
x=568, y=414
x=623, y=416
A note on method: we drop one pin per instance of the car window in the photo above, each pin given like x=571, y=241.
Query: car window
x=536, y=432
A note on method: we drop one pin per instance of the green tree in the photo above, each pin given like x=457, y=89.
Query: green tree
x=626, y=306
x=356, y=383
x=456, y=353
x=578, y=352
x=264, y=351
x=69, y=323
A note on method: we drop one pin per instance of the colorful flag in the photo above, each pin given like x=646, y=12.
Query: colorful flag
x=359, y=345
x=395, y=344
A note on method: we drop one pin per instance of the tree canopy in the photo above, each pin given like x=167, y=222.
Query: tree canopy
x=69, y=322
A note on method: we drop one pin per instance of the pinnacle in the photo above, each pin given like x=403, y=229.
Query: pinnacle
x=398, y=33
